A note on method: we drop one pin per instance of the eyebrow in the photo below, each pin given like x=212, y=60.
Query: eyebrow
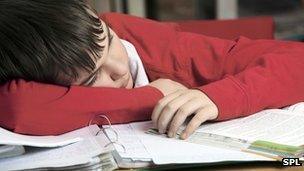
x=90, y=77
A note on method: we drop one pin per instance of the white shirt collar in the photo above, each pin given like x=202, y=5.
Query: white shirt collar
x=137, y=69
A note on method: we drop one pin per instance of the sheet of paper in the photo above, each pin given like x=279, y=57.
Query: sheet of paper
x=11, y=150
x=298, y=108
x=74, y=154
x=165, y=150
x=133, y=146
x=10, y=138
x=275, y=125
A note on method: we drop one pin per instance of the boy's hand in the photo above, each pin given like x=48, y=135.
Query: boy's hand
x=172, y=110
x=167, y=86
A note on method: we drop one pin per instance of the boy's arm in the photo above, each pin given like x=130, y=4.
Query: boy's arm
x=273, y=80
x=256, y=75
x=42, y=109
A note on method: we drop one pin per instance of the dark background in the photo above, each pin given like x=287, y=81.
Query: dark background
x=288, y=14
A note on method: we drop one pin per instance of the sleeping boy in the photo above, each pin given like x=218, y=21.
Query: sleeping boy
x=61, y=65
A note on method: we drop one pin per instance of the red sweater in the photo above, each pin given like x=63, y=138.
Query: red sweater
x=241, y=77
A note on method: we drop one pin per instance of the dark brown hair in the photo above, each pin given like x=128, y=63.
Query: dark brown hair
x=48, y=41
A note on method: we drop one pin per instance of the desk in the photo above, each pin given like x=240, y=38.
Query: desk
x=257, y=166
x=247, y=166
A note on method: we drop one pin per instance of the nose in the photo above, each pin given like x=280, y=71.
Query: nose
x=115, y=81
x=115, y=76
x=116, y=73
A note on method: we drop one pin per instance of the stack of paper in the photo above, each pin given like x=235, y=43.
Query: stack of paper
x=12, y=143
x=79, y=148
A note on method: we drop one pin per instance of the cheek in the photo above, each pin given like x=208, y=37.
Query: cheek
x=123, y=53
x=120, y=67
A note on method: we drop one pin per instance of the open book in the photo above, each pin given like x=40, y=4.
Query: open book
x=278, y=132
x=283, y=126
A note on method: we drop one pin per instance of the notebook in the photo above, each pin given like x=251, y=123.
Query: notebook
x=276, y=125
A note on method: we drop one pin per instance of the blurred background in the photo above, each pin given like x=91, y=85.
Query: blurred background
x=288, y=14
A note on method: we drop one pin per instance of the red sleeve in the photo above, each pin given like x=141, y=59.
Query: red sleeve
x=42, y=109
x=273, y=78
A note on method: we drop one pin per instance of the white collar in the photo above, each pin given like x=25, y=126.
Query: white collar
x=137, y=69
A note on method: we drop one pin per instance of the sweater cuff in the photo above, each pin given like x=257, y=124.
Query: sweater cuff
x=147, y=96
x=144, y=100
x=229, y=97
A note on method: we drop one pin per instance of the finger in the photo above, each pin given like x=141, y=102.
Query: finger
x=200, y=117
x=170, y=110
x=161, y=104
x=183, y=112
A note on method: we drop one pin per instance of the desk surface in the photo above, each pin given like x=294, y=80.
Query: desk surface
x=248, y=166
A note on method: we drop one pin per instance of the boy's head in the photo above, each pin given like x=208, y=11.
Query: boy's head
x=59, y=42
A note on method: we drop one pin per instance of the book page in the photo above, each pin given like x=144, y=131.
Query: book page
x=11, y=138
x=275, y=125
x=297, y=108
x=165, y=150
x=134, y=149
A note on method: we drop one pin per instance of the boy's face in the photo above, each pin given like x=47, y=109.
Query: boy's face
x=112, y=69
